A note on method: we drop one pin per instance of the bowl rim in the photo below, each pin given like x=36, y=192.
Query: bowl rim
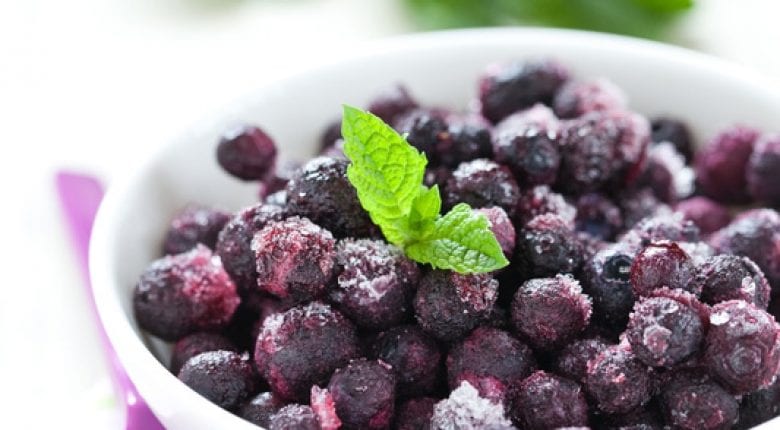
x=139, y=362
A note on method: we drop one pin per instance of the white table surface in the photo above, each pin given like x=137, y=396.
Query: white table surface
x=94, y=84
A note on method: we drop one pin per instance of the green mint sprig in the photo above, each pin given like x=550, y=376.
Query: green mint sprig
x=387, y=173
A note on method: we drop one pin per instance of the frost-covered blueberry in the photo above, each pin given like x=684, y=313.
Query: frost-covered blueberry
x=324, y=406
x=247, y=153
x=322, y=193
x=449, y=305
x=666, y=173
x=546, y=246
x=639, y=204
x=196, y=343
x=618, y=381
x=302, y=347
x=675, y=132
x=721, y=165
x=541, y=200
x=482, y=183
x=762, y=168
x=466, y=139
x=294, y=417
x=598, y=216
x=530, y=150
x=662, y=264
x=606, y=279
x=375, y=283
x=742, y=348
x=546, y=401
x=466, y=409
x=278, y=181
x=259, y=409
x=692, y=401
x=415, y=414
x=576, y=98
x=223, y=377
x=572, y=360
x=193, y=225
x=364, y=394
x=549, y=312
x=707, y=214
x=510, y=87
x=730, y=277
x=759, y=406
x=502, y=228
x=537, y=116
x=392, y=103
x=181, y=294
x=647, y=417
x=414, y=356
x=663, y=227
x=424, y=129
x=492, y=361
x=295, y=259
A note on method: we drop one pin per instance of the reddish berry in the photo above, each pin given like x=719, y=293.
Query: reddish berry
x=721, y=165
x=193, y=225
x=502, y=228
x=546, y=401
x=223, y=377
x=364, y=394
x=666, y=227
x=762, y=168
x=641, y=204
x=707, y=214
x=247, y=153
x=415, y=414
x=662, y=264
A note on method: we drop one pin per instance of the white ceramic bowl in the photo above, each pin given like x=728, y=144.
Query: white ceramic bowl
x=440, y=69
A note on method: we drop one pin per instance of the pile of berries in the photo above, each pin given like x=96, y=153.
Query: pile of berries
x=637, y=297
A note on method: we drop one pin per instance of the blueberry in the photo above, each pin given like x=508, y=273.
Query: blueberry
x=617, y=381
x=598, y=216
x=692, y=401
x=482, y=183
x=730, y=277
x=666, y=174
x=759, y=406
x=761, y=170
x=193, y=225
x=662, y=264
x=225, y=378
x=197, y=343
x=247, y=153
x=502, y=228
x=664, y=227
x=606, y=278
x=392, y=103
x=675, y=132
x=364, y=394
x=466, y=139
x=546, y=246
x=541, y=200
x=546, y=401
x=576, y=98
x=721, y=165
x=424, y=129
x=707, y=214
x=639, y=204
x=572, y=361
x=531, y=151
x=294, y=417
x=414, y=356
x=260, y=408
x=466, y=409
x=415, y=414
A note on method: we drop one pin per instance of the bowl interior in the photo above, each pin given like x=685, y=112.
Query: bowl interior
x=440, y=69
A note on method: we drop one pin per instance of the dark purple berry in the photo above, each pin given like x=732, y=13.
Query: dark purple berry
x=259, y=409
x=691, y=401
x=647, y=417
x=721, y=164
x=549, y=312
x=545, y=401
x=482, y=183
x=598, y=216
x=278, y=181
x=510, y=87
x=606, y=279
x=730, y=277
x=324, y=406
x=662, y=264
x=294, y=417
x=546, y=246
x=531, y=151
x=375, y=283
x=742, y=346
x=618, y=381
x=247, y=153
x=492, y=361
x=675, y=132
x=437, y=176
x=322, y=193
x=415, y=414
x=449, y=305
x=707, y=214
x=666, y=227
x=641, y=204
x=537, y=116
x=197, y=343
x=414, y=357
x=225, y=378
x=193, y=225
x=302, y=347
x=466, y=139
x=759, y=406
x=666, y=174
x=424, y=129
x=541, y=200
x=572, y=361
x=576, y=98
x=184, y=293
x=502, y=228
x=392, y=103
x=364, y=393
x=762, y=167
x=466, y=409
x=330, y=135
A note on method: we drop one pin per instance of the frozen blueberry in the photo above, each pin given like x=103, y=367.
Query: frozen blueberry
x=437, y=176
x=247, y=153
x=730, y=277
x=234, y=245
x=541, y=200
x=302, y=347
x=392, y=103
x=492, y=361
x=664, y=331
x=278, y=181
x=546, y=246
x=424, y=129
x=639, y=204
x=510, y=87
x=707, y=214
x=762, y=167
x=647, y=417
x=482, y=183
x=662, y=264
x=721, y=165
x=449, y=305
x=193, y=225
x=330, y=135
x=225, y=378
x=530, y=150
x=691, y=401
x=759, y=406
x=295, y=259
x=294, y=417
x=537, y=116
x=576, y=98
x=666, y=173
x=184, y=293
x=618, y=381
x=572, y=361
x=466, y=409
x=375, y=283
x=466, y=139
x=364, y=393
x=546, y=401
x=664, y=227
x=675, y=132
x=502, y=228
x=415, y=414
x=259, y=409
x=414, y=357
x=606, y=279
x=324, y=406
x=549, y=312
x=598, y=216
x=196, y=343
x=322, y=193
x=742, y=346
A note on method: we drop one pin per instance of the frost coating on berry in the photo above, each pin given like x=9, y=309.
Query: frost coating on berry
x=730, y=277
x=549, y=312
x=675, y=132
x=547, y=246
x=742, y=346
x=467, y=138
x=576, y=98
x=707, y=214
x=375, y=283
x=662, y=264
x=490, y=360
x=664, y=227
x=546, y=401
x=414, y=357
x=666, y=173
x=259, y=409
x=572, y=361
x=691, y=401
x=302, y=347
x=502, y=228
x=225, y=378
x=606, y=278
x=194, y=344
x=247, y=153
x=294, y=417
x=762, y=169
x=541, y=200
x=537, y=116
x=482, y=183
x=193, y=225
x=180, y=294
x=464, y=409
x=641, y=204
x=530, y=150
x=324, y=407
x=294, y=259
x=424, y=129
x=391, y=103
x=598, y=216
x=415, y=414
x=364, y=394
x=618, y=381
x=721, y=164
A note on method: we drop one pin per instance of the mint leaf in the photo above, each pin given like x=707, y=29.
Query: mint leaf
x=461, y=241
x=425, y=211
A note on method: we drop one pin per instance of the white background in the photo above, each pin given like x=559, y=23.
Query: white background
x=94, y=84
